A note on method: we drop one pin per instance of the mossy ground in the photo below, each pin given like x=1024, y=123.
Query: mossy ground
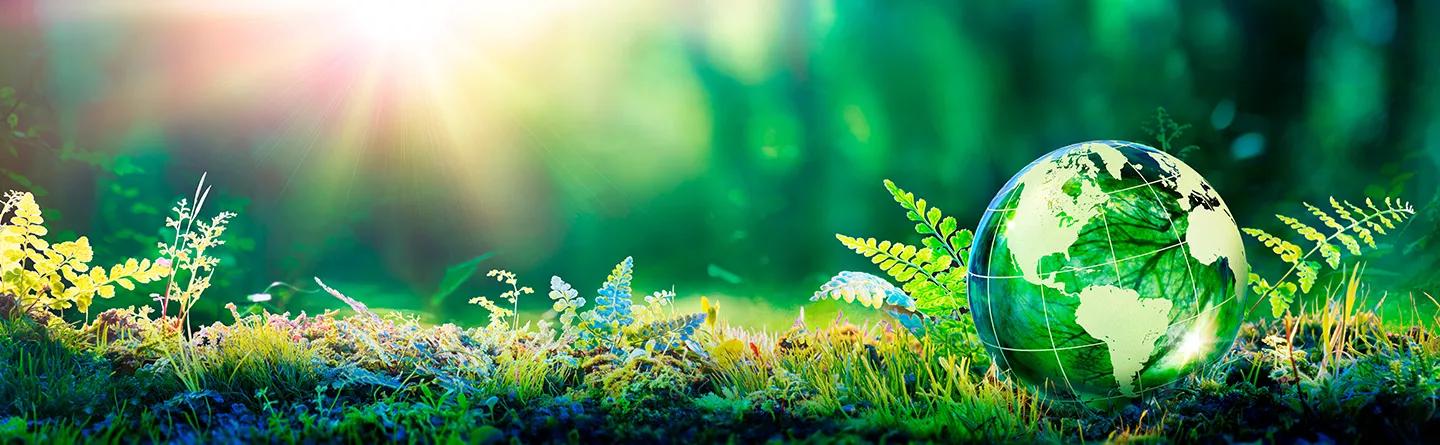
x=361, y=378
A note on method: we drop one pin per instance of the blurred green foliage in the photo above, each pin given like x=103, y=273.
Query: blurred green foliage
x=722, y=141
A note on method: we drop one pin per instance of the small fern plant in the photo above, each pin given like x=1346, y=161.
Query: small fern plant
x=614, y=322
x=671, y=333
x=565, y=301
x=931, y=297
x=613, y=308
x=40, y=275
x=1167, y=131
x=1349, y=225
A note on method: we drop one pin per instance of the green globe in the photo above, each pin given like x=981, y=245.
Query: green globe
x=1104, y=270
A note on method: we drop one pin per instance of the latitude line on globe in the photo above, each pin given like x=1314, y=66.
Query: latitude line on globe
x=1122, y=396
x=1110, y=193
x=1083, y=268
x=1101, y=343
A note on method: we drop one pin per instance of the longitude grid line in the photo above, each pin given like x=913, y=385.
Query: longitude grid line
x=1115, y=263
x=989, y=301
x=1045, y=306
x=1050, y=332
x=1108, y=239
x=1195, y=292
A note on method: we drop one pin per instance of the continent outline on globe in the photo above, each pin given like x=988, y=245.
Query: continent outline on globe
x=1106, y=269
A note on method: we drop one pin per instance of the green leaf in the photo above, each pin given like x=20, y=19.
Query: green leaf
x=962, y=240
x=455, y=276
x=948, y=226
x=1281, y=298
x=14, y=426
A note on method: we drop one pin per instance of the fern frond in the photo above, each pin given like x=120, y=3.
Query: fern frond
x=669, y=334
x=1345, y=225
x=909, y=266
x=942, y=233
x=1322, y=242
x=931, y=297
x=613, y=304
x=565, y=300
x=1288, y=252
x=1338, y=229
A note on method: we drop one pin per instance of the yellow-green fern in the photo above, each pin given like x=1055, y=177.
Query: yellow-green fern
x=913, y=268
x=57, y=276
x=942, y=232
x=931, y=277
x=1350, y=225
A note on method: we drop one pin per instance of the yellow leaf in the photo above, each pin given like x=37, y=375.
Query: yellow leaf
x=106, y=291
x=71, y=275
x=125, y=283
x=83, y=253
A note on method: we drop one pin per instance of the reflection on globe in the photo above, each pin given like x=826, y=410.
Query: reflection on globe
x=1104, y=270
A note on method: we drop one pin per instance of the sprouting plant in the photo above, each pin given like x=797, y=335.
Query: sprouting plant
x=1165, y=131
x=1349, y=224
x=660, y=299
x=658, y=305
x=57, y=276
x=1284, y=360
x=566, y=300
x=512, y=296
x=497, y=313
x=187, y=253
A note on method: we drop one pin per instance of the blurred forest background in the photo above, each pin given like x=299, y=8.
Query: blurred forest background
x=721, y=143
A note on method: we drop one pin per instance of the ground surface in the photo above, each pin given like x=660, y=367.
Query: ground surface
x=368, y=379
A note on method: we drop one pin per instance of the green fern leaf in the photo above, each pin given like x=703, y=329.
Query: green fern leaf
x=1350, y=224
x=903, y=262
x=932, y=274
x=943, y=232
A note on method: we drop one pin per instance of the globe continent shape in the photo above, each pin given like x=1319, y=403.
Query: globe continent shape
x=1104, y=270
